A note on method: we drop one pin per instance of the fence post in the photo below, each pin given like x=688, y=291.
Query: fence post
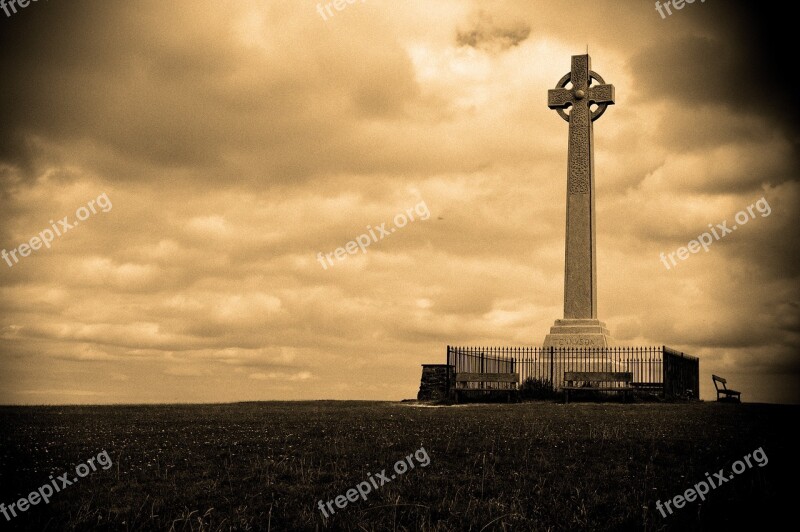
x=697, y=380
x=513, y=360
x=447, y=369
x=483, y=355
x=552, y=381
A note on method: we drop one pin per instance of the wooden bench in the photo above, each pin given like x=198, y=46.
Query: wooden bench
x=730, y=395
x=598, y=377
x=463, y=379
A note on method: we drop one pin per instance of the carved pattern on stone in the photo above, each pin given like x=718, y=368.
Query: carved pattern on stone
x=579, y=157
x=601, y=93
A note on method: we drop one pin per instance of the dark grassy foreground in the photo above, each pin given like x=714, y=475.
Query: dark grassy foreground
x=535, y=466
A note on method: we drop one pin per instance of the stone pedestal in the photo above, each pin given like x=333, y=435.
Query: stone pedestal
x=578, y=333
x=436, y=383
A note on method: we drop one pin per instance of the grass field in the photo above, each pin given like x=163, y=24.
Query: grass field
x=531, y=466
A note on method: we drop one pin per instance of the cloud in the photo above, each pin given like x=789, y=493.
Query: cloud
x=277, y=376
x=62, y=392
x=486, y=35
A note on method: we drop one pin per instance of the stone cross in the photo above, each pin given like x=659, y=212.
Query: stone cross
x=580, y=273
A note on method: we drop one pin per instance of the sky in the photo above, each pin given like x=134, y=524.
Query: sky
x=215, y=154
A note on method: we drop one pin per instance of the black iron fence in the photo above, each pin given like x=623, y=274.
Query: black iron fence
x=681, y=375
x=656, y=369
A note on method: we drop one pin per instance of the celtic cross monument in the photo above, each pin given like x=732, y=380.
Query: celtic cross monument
x=580, y=326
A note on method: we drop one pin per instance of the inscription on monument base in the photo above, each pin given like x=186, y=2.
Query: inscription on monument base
x=578, y=333
x=578, y=342
x=575, y=341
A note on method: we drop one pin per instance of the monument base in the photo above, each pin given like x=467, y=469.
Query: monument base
x=578, y=333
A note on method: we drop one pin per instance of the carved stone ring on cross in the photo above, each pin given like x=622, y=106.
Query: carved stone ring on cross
x=579, y=95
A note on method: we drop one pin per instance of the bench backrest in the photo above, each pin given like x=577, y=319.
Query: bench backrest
x=599, y=376
x=487, y=377
x=719, y=379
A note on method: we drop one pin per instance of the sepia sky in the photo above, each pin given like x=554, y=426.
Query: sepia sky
x=237, y=140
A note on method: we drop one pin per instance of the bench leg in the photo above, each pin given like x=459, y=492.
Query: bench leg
x=566, y=397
